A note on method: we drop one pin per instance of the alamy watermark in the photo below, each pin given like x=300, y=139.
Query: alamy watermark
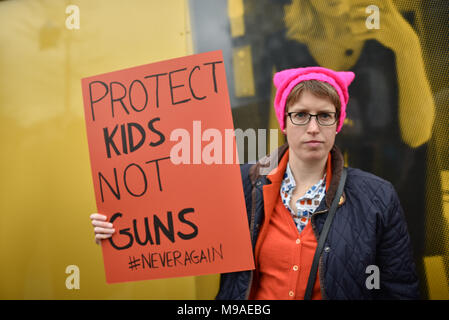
x=73, y=280
x=373, y=20
x=73, y=20
x=373, y=280
x=220, y=148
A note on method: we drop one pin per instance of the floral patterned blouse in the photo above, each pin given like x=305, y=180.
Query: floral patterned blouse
x=306, y=204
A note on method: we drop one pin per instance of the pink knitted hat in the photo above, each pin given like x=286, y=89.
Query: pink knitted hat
x=286, y=80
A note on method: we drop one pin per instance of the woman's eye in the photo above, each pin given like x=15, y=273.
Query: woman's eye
x=324, y=115
x=300, y=115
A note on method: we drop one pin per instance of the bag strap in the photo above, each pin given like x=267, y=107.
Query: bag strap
x=323, y=236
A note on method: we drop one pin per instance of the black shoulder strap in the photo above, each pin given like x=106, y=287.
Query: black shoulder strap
x=323, y=236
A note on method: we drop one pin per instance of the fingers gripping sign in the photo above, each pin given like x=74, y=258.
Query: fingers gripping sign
x=102, y=228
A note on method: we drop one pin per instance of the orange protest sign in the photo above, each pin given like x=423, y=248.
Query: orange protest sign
x=165, y=171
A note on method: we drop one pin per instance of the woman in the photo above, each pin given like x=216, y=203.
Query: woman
x=391, y=110
x=287, y=208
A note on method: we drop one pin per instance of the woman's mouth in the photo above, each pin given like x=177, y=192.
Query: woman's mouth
x=313, y=143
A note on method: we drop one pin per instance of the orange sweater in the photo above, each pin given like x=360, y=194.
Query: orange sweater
x=283, y=255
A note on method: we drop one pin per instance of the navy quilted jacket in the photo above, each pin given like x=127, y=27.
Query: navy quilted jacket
x=368, y=229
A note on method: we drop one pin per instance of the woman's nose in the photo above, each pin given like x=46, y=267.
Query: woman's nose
x=313, y=125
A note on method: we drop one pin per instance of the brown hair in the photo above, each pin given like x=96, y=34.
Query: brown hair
x=318, y=88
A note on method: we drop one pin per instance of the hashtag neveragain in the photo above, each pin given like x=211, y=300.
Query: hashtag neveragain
x=169, y=259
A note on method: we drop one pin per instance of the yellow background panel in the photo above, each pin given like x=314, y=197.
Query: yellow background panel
x=243, y=72
x=438, y=288
x=46, y=185
x=236, y=21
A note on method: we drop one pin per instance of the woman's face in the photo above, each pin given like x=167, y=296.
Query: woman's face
x=334, y=8
x=310, y=142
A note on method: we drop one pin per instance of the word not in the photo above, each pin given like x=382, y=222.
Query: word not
x=72, y=21
x=157, y=226
x=373, y=281
x=373, y=20
x=138, y=173
x=117, y=92
x=73, y=280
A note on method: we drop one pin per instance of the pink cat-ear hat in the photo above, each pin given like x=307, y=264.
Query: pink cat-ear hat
x=286, y=80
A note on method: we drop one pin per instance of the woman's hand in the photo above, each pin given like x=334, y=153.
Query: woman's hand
x=102, y=228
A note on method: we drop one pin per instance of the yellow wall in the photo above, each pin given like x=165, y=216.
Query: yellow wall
x=46, y=191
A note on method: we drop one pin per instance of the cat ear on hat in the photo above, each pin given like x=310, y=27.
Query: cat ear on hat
x=346, y=76
x=281, y=76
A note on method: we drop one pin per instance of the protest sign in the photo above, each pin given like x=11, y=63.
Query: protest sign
x=164, y=169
